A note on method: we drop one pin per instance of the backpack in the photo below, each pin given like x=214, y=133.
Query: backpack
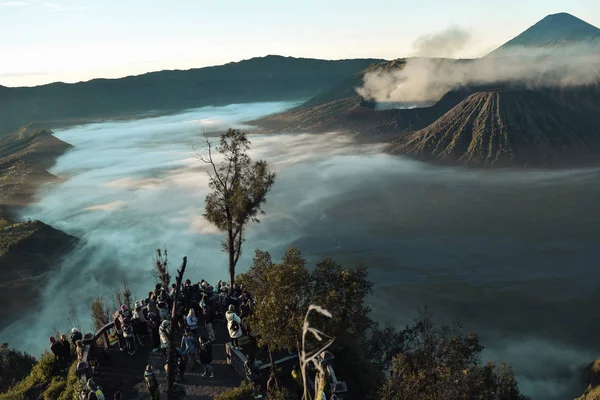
x=99, y=394
x=234, y=325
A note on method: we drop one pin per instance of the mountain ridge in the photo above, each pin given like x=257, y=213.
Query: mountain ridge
x=272, y=78
x=552, y=31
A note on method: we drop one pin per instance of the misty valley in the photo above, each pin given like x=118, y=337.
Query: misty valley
x=285, y=228
x=510, y=253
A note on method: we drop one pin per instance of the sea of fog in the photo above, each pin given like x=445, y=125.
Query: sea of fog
x=513, y=254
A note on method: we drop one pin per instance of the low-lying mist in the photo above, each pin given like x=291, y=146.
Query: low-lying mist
x=428, y=79
x=513, y=254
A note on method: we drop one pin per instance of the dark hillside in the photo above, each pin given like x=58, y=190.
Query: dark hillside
x=28, y=252
x=271, y=78
x=25, y=156
x=513, y=127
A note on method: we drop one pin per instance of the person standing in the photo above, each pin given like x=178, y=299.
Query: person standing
x=164, y=332
x=151, y=383
x=66, y=349
x=192, y=322
x=188, y=347
x=153, y=328
x=57, y=349
x=208, y=316
x=234, y=327
x=206, y=356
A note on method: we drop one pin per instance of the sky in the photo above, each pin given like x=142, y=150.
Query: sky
x=73, y=40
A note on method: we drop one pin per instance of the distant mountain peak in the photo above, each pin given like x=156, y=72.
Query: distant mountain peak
x=554, y=30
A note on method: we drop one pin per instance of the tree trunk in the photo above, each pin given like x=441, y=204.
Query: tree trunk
x=231, y=246
x=273, y=367
x=172, y=368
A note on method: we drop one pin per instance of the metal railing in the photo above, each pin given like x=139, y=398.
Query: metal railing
x=85, y=371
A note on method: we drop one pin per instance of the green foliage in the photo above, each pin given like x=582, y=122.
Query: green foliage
x=281, y=290
x=55, y=389
x=443, y=363
x=278, y=393
x=14, y=366
x=242, y=392
x=73, y=386
x=284, y=292
x=39, y=378
x=238, y=187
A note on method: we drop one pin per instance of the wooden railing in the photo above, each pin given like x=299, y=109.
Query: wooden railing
x=86, y=371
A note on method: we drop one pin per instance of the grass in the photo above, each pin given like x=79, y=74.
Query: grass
x=46, y=382
x=11, y=234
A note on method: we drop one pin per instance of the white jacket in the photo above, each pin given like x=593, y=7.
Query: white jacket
x=230, y=317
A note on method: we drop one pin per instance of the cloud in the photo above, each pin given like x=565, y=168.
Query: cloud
x=13, y=3
x=446, y=43
x=114, y=205
x=428, y=79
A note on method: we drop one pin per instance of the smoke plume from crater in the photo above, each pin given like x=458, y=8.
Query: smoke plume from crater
x=428, y=79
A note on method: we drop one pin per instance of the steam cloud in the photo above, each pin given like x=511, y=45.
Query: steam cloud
x=428, y=79
x=466, y=243
x=442, y=44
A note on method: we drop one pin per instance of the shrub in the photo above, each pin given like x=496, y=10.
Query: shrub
x=14, y=366
x=73, y=386
x=242, y=392
x=38, y=379
x=56, y=387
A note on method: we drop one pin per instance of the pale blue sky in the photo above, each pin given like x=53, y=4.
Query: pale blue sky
x=71, y=40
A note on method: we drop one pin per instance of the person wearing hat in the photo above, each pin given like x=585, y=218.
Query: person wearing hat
x=234, y=326
x=151, y=383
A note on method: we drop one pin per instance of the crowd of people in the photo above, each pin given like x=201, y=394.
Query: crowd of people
x=152, y=321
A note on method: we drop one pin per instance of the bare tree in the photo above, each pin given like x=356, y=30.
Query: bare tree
x=238, y=187
x=161, y=270
x=100, y=313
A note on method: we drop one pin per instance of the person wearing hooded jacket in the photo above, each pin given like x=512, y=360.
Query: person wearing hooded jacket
x=164, y=332
x=234, y=326
x=75, y=336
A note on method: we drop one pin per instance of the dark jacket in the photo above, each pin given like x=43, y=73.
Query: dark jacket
x=206, y=353
x=75, y=337
x=57, y=349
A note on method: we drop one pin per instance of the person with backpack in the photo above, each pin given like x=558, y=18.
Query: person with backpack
x=96, y=389
x=234, y=326
x=206, y=356
x=151, y=383
x=129, y=336
x=75, y=336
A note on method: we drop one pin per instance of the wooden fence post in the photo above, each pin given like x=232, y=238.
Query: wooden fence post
x=171, y=369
